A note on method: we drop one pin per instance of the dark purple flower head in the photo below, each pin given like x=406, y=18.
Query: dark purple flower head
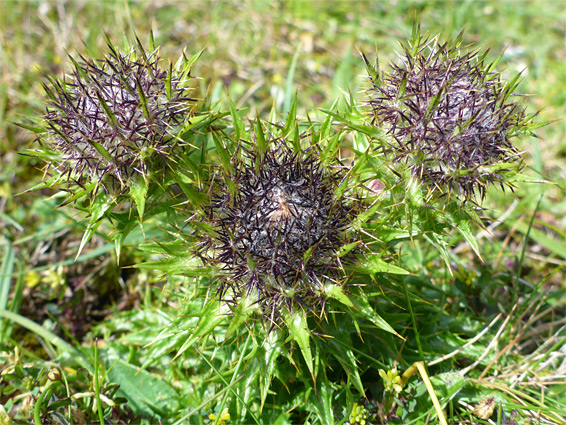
x=449, y=115
x=277, y=229
x=116, y=116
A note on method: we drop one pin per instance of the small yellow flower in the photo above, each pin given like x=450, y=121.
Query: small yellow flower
x=224, y=417
x=391, y=380
x=32, y=279
x=358, y=415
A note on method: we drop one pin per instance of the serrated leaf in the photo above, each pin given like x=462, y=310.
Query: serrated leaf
x=363, y=309
x=298, y=329
x=323, y=401
x=362, y=218
x=185, y=265
x=373, y=264
x=440, y=245
x=337, y=292
x=370, y=130
x=414, y=192
x=272, y=351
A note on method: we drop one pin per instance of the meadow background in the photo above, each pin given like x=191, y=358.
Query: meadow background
x=260, y=53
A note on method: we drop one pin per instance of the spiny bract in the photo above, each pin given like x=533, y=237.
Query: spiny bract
x=277, y=229
x=114, y=117
x=449, y=116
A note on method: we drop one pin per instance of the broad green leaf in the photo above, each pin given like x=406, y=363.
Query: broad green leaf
x=146, y=394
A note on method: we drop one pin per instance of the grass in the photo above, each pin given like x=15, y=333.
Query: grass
x=142, y=344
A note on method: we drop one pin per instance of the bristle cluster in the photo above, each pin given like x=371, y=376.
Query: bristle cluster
x=113, y=117
x=278, y=232
x=449, y=116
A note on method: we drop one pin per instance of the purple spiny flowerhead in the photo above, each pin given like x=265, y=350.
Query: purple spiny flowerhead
x=115, y=117
x=277, y=229
x=449, y=116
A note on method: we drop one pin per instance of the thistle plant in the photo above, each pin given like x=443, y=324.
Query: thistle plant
x=116, y=118
x=277, y=227
x=288, y=233
x=449, y=115
x=113, y=129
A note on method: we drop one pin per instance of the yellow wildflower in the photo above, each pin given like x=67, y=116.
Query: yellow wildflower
x=391, y=380
x=224, y=417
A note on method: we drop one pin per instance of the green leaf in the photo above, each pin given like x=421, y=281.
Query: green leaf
x=339, y=345
x=236, y=120
x=298, y=329
x=188, y=63
x=146, y=394
x=291, y=122
x=324, y=402
x=102, y=202
x=101, y=150
x=186, y=265
x=271, y=351
x=363, y=309
x=287, y=105
x=138, y=192
x=373, y=264
x=260, y=139
x=143, y=101
x=223, y=153
x=34, y=129
x=8, y=261
x=337, y=292
x=464, y=229
x=108, y=112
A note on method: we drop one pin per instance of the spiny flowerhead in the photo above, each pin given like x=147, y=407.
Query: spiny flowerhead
x=113, y=118
x=278, y=226
x=449, y=115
